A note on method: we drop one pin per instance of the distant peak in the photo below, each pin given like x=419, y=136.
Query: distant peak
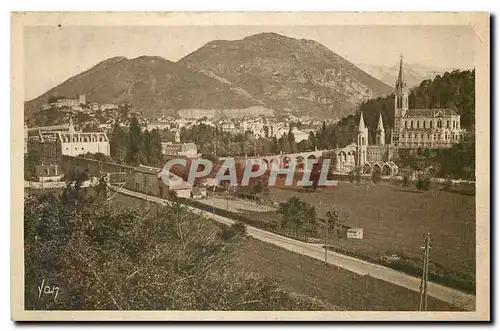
x=113, y=59
x=267, y=35
x=150, y=58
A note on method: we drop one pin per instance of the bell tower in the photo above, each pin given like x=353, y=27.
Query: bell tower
x=400, y=102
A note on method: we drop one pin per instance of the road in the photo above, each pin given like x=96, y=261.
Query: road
x=316, y=251
x=236, y=205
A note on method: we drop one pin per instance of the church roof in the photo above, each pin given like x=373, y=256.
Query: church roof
x=430, y=113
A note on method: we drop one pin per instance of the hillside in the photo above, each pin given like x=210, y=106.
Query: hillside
x=149, y=84
x=414, y=73
x=268, y=71
x=287, y=74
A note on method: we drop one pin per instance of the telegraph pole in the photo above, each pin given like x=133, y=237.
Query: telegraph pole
x=326, y=232
x=213, y=200
x=425, y=274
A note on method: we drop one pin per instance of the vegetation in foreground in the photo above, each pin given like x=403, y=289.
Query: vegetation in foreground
x=139, y=259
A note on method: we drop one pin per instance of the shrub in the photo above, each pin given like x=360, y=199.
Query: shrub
x=156, y=258
x=422, y=184
x=376, y=175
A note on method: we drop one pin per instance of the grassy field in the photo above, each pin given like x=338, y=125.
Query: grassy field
x=333, y=288
x=327, y=283
x=395, y=219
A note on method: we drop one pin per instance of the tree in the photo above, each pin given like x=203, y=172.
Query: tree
x=284, y=144
x=406, y=180
x=334, y=221
x=355, y=175
x=422, y=183
x=292, y=145
x=295, y=214
x=376, y=175
x=118, y=144
x=134, y=153
x=101, y=188
x=312, y=139
x=151, y=142
x=30, y=162
x=267, y=146
x=275, y=146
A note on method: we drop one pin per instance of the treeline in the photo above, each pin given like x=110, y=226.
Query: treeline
x=213, y=140
x=133, y=147
x=455, y=90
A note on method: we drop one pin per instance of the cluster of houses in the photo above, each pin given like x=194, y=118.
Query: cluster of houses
x=259, y=127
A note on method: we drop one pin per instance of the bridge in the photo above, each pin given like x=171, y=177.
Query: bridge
x=343, y=160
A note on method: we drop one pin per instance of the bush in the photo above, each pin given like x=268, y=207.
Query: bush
x=156, y=258
x=422, y=184
x=236, y=229
x=406, y=180
x=376, y=175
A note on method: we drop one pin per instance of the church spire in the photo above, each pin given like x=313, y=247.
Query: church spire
x=380, y=126
x=362, y=126
x=400, y=83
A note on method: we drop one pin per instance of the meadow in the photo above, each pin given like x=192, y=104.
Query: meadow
x=395, y=220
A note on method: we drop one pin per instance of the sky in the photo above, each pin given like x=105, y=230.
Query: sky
x=54, y=54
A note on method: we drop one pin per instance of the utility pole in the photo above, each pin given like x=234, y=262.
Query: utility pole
x=326, y=231
x=213, y=200
x=146, y=184
x=425, y=274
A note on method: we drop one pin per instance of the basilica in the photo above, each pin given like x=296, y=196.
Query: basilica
x=412, y=129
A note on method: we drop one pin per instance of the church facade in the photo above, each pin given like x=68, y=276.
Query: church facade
x=413, y=129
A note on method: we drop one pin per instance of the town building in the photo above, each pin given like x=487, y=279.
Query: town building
x=187, y=150
x=158, y=126
x=148, y=180
x=47, y=144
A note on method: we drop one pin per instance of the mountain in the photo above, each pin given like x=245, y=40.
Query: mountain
x=265, y=71
x=414, y=73
x=149, y=84
x=287, y=74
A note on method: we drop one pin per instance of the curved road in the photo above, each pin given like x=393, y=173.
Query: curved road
x=316, y=251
